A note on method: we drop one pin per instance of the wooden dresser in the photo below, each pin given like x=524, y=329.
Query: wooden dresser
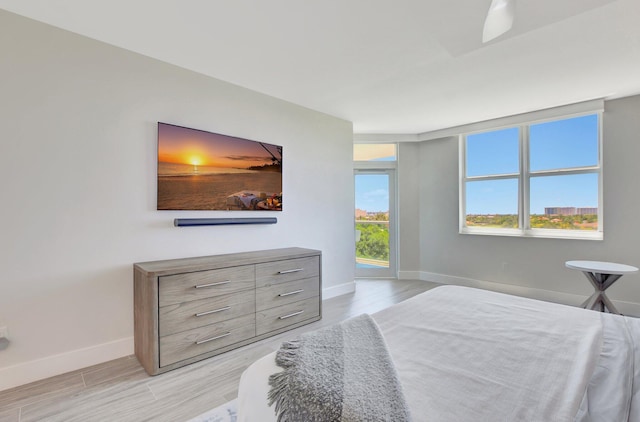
x=186, y=310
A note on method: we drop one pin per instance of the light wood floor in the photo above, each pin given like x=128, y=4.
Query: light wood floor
x=120, y=390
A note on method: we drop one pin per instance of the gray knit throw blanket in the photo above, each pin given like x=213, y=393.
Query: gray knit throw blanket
x=340, y=373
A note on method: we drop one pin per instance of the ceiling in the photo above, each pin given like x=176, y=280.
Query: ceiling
x=403, y=66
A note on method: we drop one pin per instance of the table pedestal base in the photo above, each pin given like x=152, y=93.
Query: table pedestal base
x=598, y=301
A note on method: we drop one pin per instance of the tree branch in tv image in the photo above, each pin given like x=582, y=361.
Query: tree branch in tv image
x=200, y=170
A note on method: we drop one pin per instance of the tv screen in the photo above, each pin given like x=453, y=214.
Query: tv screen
x=199, y=170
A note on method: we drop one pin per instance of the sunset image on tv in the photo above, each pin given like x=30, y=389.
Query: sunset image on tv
x=200, y=170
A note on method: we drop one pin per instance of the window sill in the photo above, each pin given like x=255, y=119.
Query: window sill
x=536, y=233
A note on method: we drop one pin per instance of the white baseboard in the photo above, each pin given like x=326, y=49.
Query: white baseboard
x=627, y=308
x=409, y=275
x=340, y=289
x=35, y=370
x=24, y=373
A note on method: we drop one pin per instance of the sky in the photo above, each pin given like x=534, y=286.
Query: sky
x=199, y=148
x=567, y=143
x=372, y=192
x=374, y=152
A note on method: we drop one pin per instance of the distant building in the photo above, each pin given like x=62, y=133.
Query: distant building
x=560, y=211
x=587, y=210
x=570, y=210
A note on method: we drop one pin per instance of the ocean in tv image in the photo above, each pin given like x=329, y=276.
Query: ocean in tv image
x=199, y=170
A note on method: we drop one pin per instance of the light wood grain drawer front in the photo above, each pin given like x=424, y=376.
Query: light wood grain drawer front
x=282, y=316
x=187, y=315
x=287, y=270
x=188, y=344
x=273, y=295
x=202, y=284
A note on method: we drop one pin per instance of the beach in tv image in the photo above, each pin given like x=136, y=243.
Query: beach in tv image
x=199, y=170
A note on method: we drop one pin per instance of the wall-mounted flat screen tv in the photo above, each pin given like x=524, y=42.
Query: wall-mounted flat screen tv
x=199, y=170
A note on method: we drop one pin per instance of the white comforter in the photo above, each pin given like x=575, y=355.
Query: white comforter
x=466, y=354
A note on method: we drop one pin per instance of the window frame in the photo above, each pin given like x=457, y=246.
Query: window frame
x=524, y=183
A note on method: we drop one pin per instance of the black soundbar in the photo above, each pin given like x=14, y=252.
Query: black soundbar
x=189, y=222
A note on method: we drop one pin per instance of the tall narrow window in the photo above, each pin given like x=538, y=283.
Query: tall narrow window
x=375, y=205
x=538, y=179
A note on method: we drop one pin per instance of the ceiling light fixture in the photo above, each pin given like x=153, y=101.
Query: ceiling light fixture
x=499, y=19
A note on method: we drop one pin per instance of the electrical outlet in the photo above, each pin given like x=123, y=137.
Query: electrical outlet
x=4, y=332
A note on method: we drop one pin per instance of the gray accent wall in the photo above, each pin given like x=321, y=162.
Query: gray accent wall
x=409, y=182
x=533, y=266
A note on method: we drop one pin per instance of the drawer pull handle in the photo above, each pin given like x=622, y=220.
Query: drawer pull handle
x=200, y=286
x=291, y=293
x=226, y=308
x=213, y=338
x=291, y=315
x=291, y=271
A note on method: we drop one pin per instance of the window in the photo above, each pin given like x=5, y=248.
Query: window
x=374, y=152
x=539, y=179
x=375, y=206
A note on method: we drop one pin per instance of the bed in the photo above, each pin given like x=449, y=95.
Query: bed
x=464, y=354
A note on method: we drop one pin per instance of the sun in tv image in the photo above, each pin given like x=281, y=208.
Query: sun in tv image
x=200, y=170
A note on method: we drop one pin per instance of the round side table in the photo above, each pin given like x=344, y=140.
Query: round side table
x=601, y=275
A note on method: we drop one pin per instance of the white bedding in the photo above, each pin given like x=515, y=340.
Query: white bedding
x=466, y=354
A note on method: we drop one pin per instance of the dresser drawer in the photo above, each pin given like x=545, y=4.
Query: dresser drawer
x=184, y=345
x=196, y=313
x=272, y=295
x=287, y=270
x=282, y=316
x=203, y=284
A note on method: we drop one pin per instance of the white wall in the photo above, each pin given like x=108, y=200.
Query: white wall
x=535, y=267
x=77, y=182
